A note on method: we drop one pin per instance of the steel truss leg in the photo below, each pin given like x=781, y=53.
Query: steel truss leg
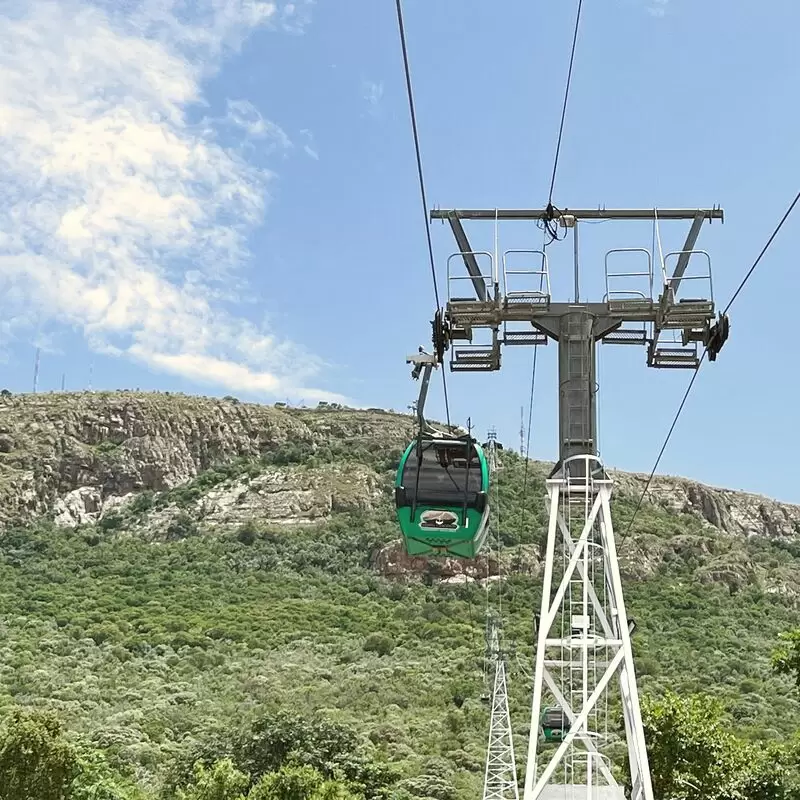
x=570, y=668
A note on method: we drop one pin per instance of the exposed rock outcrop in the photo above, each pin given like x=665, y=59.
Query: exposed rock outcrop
x=78, y=455
x=393, y=562
x=731, y=512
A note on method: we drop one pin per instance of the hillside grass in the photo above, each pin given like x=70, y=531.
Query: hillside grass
x=152, y=648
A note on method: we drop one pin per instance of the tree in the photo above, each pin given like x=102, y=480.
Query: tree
x=334, y=750
x=693, y=756
x=300, y=783
x=786, y=657
x=379, y=643
x=96, y=781
x=221, y=782
x=288, y=783
x=181, y=527
x=248, y=532
x=430, y=786
x=36, y=760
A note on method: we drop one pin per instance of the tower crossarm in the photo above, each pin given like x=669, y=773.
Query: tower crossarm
x=528, y=316
x=578, y=214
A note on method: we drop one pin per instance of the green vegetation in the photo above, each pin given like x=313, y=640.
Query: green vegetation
x=254, y=661
x=694, y=755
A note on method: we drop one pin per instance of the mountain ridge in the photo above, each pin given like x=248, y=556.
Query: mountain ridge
x=58, y=451
x=172, y=565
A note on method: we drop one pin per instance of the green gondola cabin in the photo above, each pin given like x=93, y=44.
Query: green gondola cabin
x=555, y=724
x=442, y=505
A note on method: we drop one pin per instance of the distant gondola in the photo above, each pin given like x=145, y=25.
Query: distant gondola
x=443, y=508
x=555, y=724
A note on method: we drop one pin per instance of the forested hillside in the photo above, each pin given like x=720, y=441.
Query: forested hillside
x=190, y=580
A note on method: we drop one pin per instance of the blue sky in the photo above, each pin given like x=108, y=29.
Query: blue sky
x=221, y=198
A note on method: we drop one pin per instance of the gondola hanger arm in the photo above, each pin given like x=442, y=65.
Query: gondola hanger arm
x=424, y=363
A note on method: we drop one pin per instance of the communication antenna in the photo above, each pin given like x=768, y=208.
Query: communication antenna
x=36, y=371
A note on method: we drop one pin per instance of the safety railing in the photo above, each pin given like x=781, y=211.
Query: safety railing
x=629, y=294
x=672, y=283
x=486, y=279
x=527, y=295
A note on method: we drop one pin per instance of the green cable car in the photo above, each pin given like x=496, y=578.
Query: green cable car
x=555, y=724
x=441, y=496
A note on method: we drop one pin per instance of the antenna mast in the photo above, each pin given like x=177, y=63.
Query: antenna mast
x=36, y=371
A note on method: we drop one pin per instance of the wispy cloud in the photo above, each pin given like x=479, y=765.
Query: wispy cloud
x=309, y=147
x=118, y=215
x=244, y=114
x=657, y=8
x=372, y=92
x=295, y=16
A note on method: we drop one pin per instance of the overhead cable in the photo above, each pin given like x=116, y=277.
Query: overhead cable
x=546, y=223
x=564, y=107
x=413, y=113
x=697, y=368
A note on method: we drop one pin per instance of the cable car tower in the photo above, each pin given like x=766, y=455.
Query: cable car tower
x=583, y=632
x=500, y=776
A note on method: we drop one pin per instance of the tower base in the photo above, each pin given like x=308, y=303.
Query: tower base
x=578, y=792
x=583, y=642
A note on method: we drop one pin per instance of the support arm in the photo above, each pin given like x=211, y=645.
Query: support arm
x=470, y=261
x=683, y=258
x=423, y=365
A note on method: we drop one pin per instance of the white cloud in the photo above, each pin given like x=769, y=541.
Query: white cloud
x=117, y=215
x=657, y=8
x=244, y=114
x=296, y=16
x=309, y=147
x=372, y=92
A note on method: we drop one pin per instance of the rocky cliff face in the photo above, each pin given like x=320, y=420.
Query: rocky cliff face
x=80, y=455
x=83, y=457
x=733, y=513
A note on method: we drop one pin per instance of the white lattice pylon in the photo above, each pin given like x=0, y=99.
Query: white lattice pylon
x=608, y=631
x=500, y=777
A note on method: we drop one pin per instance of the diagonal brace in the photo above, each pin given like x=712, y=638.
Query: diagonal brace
x=674, y=282
x=470, y=261
x=547, y=623
x=590, y=745
x=598, y=607
x=579, y=722
x=683, y=258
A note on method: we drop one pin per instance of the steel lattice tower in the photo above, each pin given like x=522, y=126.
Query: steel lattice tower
x=500, y=777
x=583, y=634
